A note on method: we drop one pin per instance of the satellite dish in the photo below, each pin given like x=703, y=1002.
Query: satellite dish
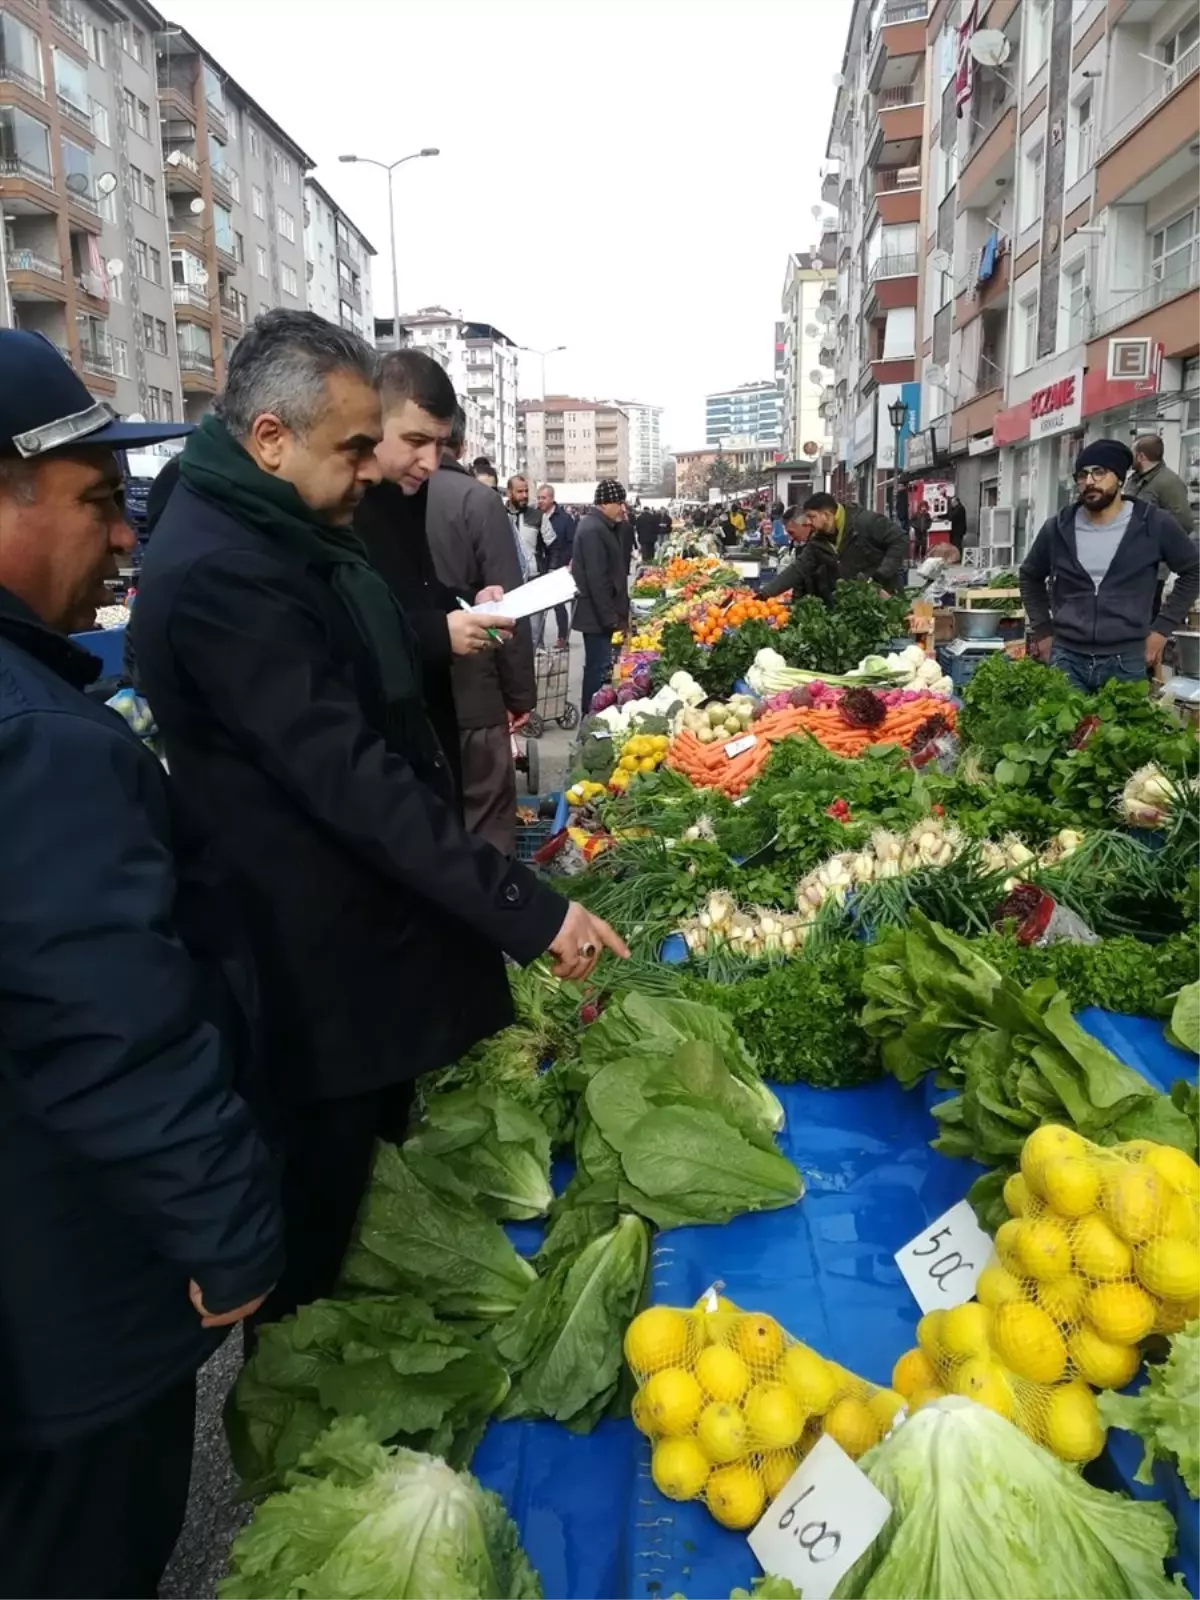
x=823, y=315
x=935, y=377
x=200, y=278
x=817, y=213
x=939, y=260
x=811, y=330
x=135, y=416
x=115, y=267
x=174, y=158
x=77, y=182
x=839, y=79
x=990, y=47
x=818, y=377
x=197, y=206
x=106, y=182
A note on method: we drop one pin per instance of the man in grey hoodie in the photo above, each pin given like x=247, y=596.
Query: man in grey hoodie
x=1089, y=581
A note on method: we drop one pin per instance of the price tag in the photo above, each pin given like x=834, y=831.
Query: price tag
x=599, y=733
x=825, y=1517
x=942, y=1264
x=736, y=746
x=746, y=569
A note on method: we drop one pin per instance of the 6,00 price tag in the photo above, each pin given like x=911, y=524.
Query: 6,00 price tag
x=736, y=746
x=824, y=1518
x=942, y=1264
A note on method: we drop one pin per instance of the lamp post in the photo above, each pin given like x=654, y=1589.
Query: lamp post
x=897, y=416
x=389, y=168
x=542, y=354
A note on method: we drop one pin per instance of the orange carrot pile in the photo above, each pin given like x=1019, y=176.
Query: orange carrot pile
x=709, y=767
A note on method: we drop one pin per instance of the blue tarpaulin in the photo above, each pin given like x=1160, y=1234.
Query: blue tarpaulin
x=592, y=1521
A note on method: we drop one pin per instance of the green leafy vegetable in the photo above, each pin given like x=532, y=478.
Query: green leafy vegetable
x=420, y=1232
x=979, y=1510
x=1185, y=1019
x=1165, y=1411
x=412, y=1379
x=860, y=622
x=563, y=1343
x=493, y=1146
x=1122, y=974
x=360, y=1521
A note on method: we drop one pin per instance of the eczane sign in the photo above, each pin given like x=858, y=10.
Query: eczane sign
x=1058, y=407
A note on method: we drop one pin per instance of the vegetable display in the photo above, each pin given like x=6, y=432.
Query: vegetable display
x=1164, y=1412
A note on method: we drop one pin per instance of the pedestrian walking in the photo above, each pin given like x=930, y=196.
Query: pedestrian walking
x=558, y=538
x=601, y=573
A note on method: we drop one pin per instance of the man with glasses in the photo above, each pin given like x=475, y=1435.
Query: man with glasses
x=1088, y=583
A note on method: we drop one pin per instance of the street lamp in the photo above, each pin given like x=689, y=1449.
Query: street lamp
x=389, y=168
x=897, y=416
x=553, y=351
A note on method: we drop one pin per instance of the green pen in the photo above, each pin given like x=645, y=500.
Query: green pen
x=491, y=632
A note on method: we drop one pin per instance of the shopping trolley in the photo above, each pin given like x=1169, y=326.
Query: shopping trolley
x=552, y=671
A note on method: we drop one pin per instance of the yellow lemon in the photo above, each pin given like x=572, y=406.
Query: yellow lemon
x=913, y=1371
x=964, y=1331
x=715, y=1326
x=1099, y=1254
x=1172, y=1316
x=641, y=1419
x=672, y=1399
x=1064, y=1298
x=851, y=1424
x=1175, y=1167
x=775, y=1469
x=929, y=1334
x=1016, y=1195
x=1182, y=1220
x=1071, y=1424
x=1071, y=1184
x=1043, y=1145
x=883, y=1406
x=809, y=1377
x=1043, y=1248
x=1102, y=1363
x=1028, y=1342
x=758, y=1340
x=722, y=1373
x=722, y=1431
x=679, y=1468
x=846, y=1385
x=1121, y=1312
x=1135, y=1201
x=1169, y=1267
x=774, y=1418
x=1006, y=1242
x=926, y=1396
x=996, y=1285
x=984, y=1382
x=735, y=1496
x=658, y=1337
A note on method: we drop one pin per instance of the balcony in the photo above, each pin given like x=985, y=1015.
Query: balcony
x=1151, y=147
x=216, y=120
x=191, y=302
x=197, y=372
x=991, y=161
x=227, y=257
x=181, y=172
x=94, y=359
x=222, y=182
x=83, y=209
x=831, y=185
x=92, y=292
x=1149, y=299
x=892, y=266
x=974, y=295
x=25, y=187
x=65, y=16
x=896, y=194
x=175, y=103
x=35, y=277
x=898, y=47
x=897, y=129
x=76, y=118
x=232, y=314
x=23, y=83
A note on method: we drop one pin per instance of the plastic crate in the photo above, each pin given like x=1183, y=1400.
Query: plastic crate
x=532, y=836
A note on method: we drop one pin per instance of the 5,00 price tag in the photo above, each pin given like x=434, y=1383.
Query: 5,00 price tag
x=825, y=1517
x=736, y=746
x=942, y=1264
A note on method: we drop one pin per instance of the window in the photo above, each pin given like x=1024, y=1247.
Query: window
x=1037, y=38
x=223, y=229
x=71, y=82
x=135, y=113
x=135, y=183
x=20, y=51
x=214, y=89
x=258, y=203
x=147, y=331
x=1079, y=151
x=286, y=224
x=77, y=169
x=288, y=279
x=255, y=141
x=120, y=355
x=239, y=246
x=1027, y=331
x=116, y=287
x=132, y=40
x=1074, y=303
x=235, y=183
x=1174, y=252
x=231, y=123
x=96, y=41
x=141, y=257
x=167, y=402
x=1179, y=52
x=153, y=403
x=1032, y=173
x=282, y=166
x=149, y=194
x=108, y=206
x=156, y=272
x=24, y=140
x=160, y=336
x=260, y=261
x=100, y=123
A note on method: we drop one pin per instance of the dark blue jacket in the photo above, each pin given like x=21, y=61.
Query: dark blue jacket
x=564, y=525
x=128, y=1164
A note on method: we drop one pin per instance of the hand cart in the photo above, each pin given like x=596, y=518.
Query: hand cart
x=552, y=671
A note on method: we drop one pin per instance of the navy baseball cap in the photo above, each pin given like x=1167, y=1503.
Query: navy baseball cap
x=45, y=405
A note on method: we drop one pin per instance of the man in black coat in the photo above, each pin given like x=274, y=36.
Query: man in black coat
x=868, y=544
x=601, y=572
x=813, y=569
x=647, y=533
x=558, y=540
x=139, y=1210
x=286, y=682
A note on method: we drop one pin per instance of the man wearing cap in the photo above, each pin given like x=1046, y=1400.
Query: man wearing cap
x=1089, y=581
x=601, y=573
x=138, y=1206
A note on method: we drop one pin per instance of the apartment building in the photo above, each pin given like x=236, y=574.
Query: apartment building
x=693, y=468
x=84, y=257
x=338, y=263
x=806, y=354
x=235, y=192
x=752, y=410
x=575, y=441
x=645, y=445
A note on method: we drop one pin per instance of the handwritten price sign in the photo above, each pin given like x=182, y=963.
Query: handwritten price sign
x=942, y=1265
x=824, y=1518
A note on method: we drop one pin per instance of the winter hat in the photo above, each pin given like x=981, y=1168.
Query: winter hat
x=610, y=493
x=1110, y=454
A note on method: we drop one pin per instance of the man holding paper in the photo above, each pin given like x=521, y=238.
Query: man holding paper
x=601, y=573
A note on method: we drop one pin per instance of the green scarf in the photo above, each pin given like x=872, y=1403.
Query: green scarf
x=214, y=464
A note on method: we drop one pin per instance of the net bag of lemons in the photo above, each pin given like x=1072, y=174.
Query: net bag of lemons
x=732, y=1404
x=1101, y=1249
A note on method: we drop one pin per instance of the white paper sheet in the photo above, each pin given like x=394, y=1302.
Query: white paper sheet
x=540, y=594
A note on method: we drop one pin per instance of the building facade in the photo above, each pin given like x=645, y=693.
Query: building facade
x=575, y=441
x=695, y=469
x=752, y=410
x=805, y=350
x=337, y=263
x=645, y=445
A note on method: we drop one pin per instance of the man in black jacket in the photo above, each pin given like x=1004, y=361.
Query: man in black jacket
x=601, y=572
x=868, y=544
x=286, y=682
x=138, y=1207
x=813, y=569
x=558, y=540
x=1090, y=580
x=647, y=533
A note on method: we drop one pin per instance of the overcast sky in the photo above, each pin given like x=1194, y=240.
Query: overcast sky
x=624, y=177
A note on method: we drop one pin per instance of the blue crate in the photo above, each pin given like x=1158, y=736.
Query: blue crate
x=532, y=836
